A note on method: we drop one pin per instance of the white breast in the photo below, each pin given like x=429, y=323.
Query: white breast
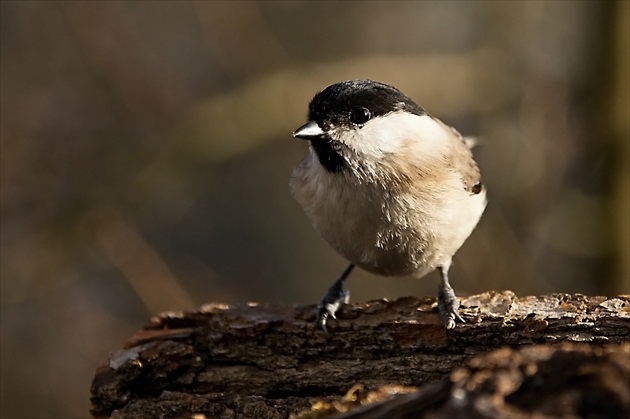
x=394, y=216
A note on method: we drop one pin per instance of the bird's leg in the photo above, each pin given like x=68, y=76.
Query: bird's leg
x=448, y=303
x=334, y=298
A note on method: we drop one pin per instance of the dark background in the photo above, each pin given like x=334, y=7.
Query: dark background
x=146, y=150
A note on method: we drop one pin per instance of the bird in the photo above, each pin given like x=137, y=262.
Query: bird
x=392, y=189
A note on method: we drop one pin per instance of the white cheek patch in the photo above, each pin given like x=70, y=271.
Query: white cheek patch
x=396, y=131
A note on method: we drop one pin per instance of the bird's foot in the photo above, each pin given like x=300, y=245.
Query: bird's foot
x=334, y=298
x=448, y=304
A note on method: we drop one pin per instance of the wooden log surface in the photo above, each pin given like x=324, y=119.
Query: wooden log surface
x=383, y=359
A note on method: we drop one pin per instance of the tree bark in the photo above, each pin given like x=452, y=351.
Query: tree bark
x=383, y=359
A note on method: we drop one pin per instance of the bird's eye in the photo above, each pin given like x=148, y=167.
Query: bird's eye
x=360, y=116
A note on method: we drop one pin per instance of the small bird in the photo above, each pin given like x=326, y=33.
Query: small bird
x=391, y=188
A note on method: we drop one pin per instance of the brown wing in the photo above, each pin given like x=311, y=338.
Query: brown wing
x=466, y=165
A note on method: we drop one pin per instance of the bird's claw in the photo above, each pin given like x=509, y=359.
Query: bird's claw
x=335, y=297
x=449, y=319
x=448, y=305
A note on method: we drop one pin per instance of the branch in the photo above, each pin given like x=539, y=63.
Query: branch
x=258, y=360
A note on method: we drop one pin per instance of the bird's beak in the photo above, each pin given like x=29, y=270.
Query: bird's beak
x=308, y=131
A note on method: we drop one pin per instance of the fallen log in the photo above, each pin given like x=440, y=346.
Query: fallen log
x=382, y=359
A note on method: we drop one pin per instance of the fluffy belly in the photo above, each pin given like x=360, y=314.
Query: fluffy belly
x=379, y=244
x=385, y=233
x=409, y=243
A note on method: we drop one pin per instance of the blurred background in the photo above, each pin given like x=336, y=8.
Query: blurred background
x=146, y=151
